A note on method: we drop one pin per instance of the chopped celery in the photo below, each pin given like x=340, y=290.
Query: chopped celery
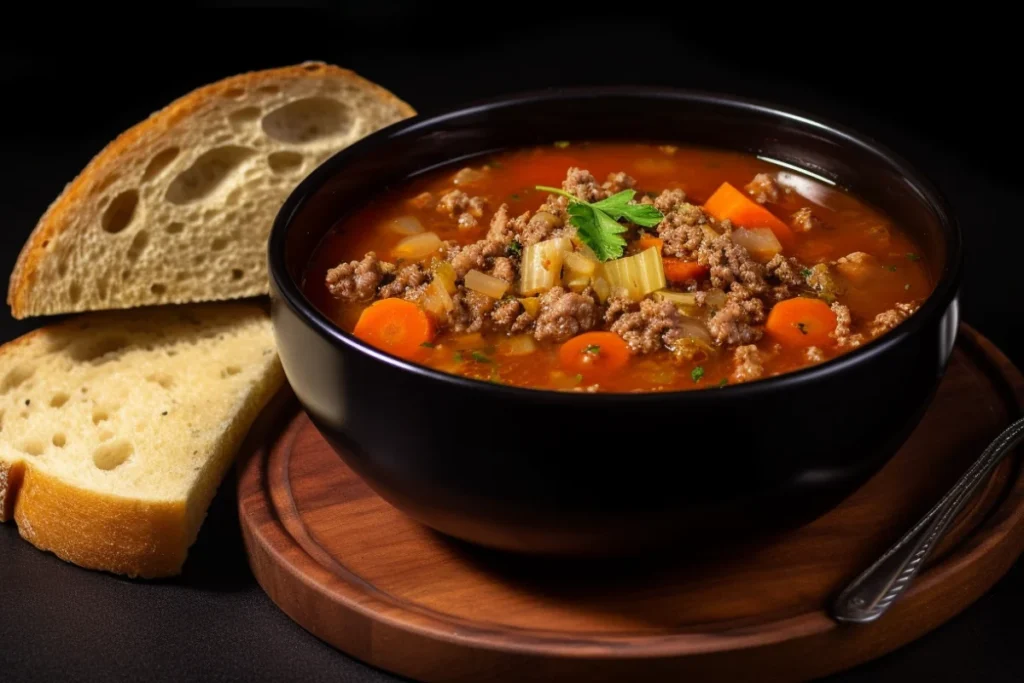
x=580, y=264
x=416, y=247
x=636, y=276
x=531, y=305
x=488, y=285
x=436, y=299
x=445, y=274
x=601, y=288
x=541, y=267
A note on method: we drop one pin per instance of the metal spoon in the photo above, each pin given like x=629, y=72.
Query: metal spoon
x=868, y=596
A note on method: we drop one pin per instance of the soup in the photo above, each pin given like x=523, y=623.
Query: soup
x=615, y=267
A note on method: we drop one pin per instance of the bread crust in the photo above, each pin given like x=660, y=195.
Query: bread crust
x=127, y=146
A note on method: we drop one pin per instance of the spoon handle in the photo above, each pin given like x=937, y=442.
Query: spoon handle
x=868, y=596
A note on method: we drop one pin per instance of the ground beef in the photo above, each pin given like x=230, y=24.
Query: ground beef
x=842, y=333
x=737, y=322
x=653, y=325
x=617, y=182
x=814, y=354
x=505, y=314
x=408, y=283
x=821, y=280
x=858, y=267
x=564, y=314
x=730, y=264
x=786, y=271
x=504, y=269
x=747, y=364
x=466, y=221
x=681, y=230
x=615, y=307
x=582, y=185
x=357, y=280
x=469, y=311
x=887, y=320
x=505, y=229
x=804, y=220
x=763, y=188
x=474, y=256
x=421, y=201
x=453, y=202
x=669, y=200
x=540, y=227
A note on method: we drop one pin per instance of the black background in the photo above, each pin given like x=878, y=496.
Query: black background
x=941, y=96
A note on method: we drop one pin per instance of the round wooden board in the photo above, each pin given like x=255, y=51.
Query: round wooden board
x=360, y=575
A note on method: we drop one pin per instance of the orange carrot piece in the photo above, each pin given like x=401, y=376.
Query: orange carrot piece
x=594, y=355
x=645, y=243
x=729, y=203
x=801, y=322
x=397, y=326
x=678, y=271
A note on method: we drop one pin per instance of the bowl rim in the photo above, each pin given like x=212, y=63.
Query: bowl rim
x=943, y=295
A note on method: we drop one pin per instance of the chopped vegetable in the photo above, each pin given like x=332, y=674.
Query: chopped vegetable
x=428, y=345
x=806, y=272
x=576, y=355
x=396, y=326
x=601, y=288
x=685, y=301
x=519, y=345
x=468, y=176
x=406, y=225
x=715, y=298
x=580, y=264
x=577, y=283
x=417, y=247
x=646, y=242
x=562, y=144
x=514, y=248
x=722, y=382
x=635, y=276
x=488, y=285
x=891, y=269
x=728, y=203
x=541, y=267
x=531, y=305
x=445, y=275
x=697, y=373
x=760, y=243
x=801, y=322
x=436, y=299
x=465, y=342
x=913, y=257
x=597, y=224
x=480, y=357
x=457, y=356
x=678, y=271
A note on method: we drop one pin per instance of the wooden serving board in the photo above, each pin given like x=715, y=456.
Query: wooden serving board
x=360, y=575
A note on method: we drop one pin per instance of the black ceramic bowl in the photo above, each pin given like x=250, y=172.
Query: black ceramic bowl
x=571, y=473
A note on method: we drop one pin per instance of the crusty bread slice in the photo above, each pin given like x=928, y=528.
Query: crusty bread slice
x=178, y=208
x=116, y=428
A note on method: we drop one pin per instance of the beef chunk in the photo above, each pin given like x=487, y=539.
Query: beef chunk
x=763, y=189
x=408, y=283
x=682, y=232
x=786, y=271
x=748, y=365
x=617, y=182
x=649, y=327
x=564, y=314
x=814, y=354
x=804, y=220
x=539, y=228
x=842, y=334
x=504, y=269
x=505, y=314
x=582, y=185
x=669, y=200
x=504, y=229
x=887, y=320
x=470, y=310
x=737, y=322
x=474, y=256
x=357, y=280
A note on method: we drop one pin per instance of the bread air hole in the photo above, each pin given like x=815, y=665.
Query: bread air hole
x=269, y=89
x=206, y=174
x=99, y=415
x=15, y=377
x=119, y=214
x=159, y=162
x=237, y=274
x=234, y=93
x=230, y=371
x=59, y=440
x=93, y=349
x=284, y=162
x=59, y=399
x=218, y=244
x=244, y=115
x=139, y=243
x=161, y=378
x=306, y=120
x=174, y=228
x=158, y=289
x=32, y=447
x=113, y=454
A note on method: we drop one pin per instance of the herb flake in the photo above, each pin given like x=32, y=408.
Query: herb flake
x=458, y=356
x=802, y=327
x=514, y=248
x=562, y=144
x=697, y=373
x=891, y=269
x=722, y=382
x=480, y=357
x=427, y=345
x=913, y=257
x=593, y=349
x=806, y=272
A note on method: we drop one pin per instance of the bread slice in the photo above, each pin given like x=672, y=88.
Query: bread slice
x=178, y=208
x=116, y=428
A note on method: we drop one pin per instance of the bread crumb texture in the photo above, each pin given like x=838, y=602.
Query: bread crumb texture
x=178, y=208
x=116, y=428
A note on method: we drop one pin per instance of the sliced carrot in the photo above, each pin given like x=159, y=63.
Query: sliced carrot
x=594, y=355
x=646, y=242
x=729, y=203
x=678, y=271
x=397, y=326
x=801, y=322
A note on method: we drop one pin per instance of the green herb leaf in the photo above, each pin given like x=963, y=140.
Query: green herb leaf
x=697, y=373
x=913, y=257
x=722, y=382
x=593, y=349
x=458, y=356
x=427, y=345
x=891, y=269
x=806, y=272
x=515, y=195
x=562, y=144
x=578, y=377
x=802, y=327
x=480, y=358
x=514, y=248
x=617, y=206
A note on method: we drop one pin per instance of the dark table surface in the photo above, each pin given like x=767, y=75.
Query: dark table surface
x=67, y=98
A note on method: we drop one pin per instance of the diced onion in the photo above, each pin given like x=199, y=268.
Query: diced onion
x=580, y=264
x=636, y=276
x=760, y=243
x=541, y=267
x=695, y=329
x=715, y=298
x=467, y=176
x=436, y=300
x=416, y=247
x=531, y=305
x=519, y=345
x=493, y=287
x=444, y=273
x=686, y=301
x=601, y=288
x=405, y=225
x=577, y=283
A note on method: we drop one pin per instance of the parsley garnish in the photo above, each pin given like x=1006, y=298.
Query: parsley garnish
x=722, y=382
x=427, y=345
x=514, y=248
x=913, y=257
x=806, y=272
x=458, y=356
x=578, y=377
x=593, y=349
x=597, y=224
x=802, y=327
x=891, y=269
x=480, y=358
x=697, y=373
x=562, y=144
